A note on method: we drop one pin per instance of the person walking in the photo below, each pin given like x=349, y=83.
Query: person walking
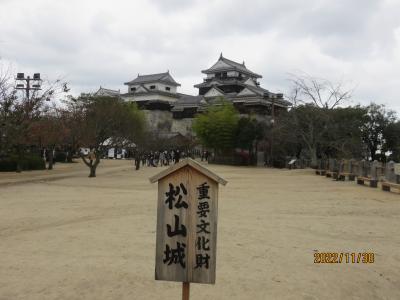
x=162, y=158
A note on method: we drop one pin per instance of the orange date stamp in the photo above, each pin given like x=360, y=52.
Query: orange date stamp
x=344, y=257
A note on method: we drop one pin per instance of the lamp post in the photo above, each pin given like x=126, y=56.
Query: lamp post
x=28, y=84
x=271, y=148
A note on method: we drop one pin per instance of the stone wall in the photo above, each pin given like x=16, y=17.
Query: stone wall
x=159, y=120
x=162, y=121
x=183, y=126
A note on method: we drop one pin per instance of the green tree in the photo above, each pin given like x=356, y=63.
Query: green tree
x=392, y=137
x=308, y=125
x=378, y=118
x=249, y=130
x=217, y=127
x=313, y=99
x=343, y=138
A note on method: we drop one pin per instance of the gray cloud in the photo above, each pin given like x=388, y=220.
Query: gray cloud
x=94, y=43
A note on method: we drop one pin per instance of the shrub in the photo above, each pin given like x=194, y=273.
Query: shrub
x=60, y=157
x=8, y=165
x=33, y=163
x=28, y=162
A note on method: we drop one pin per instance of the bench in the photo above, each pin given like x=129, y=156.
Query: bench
x=342, y=176
x=372, y=182
x=333, y=174
x=386, y=186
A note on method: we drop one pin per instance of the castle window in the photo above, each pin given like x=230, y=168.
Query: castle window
x=152, y=87
x=133, y=89
x=167, y=88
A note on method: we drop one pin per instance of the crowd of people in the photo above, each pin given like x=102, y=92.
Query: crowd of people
x=166, y=157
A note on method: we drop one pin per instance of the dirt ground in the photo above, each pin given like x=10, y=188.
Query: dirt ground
x=66, y=236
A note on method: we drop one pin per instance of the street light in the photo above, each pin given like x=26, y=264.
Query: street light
x=24, y=83
x=271, y=148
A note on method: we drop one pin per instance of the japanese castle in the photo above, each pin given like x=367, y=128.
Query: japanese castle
x=171, y=111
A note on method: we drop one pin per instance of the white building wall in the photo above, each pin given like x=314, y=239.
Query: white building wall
x=161, y=87
x=158, y=87
x=133, y=86
x=233, y=74
x=149, y=97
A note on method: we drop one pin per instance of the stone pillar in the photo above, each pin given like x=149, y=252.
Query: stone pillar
x=352, y=169
x=390, y=176
x=342, y=169
x=374, y=173
x=260, y=158
x=324, y=167
x=333, y=168
x=361, y=171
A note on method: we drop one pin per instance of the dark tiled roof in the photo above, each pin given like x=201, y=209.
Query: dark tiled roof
x=106, y=92
x=257, y=90
x=233, y=66
x=272, y=97
x=186, y=101
x=184, y=98
x=151, y=93
x=159, y=77
x=217, y=81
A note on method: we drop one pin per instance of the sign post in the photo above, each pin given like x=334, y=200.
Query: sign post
x=185, y=290
x=187, y=212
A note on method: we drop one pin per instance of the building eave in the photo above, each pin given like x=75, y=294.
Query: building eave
x=152, y=81
x=251, y=74
x=152, y=93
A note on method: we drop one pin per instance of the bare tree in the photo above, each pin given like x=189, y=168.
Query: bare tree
x=320, y=92
x=312, y=100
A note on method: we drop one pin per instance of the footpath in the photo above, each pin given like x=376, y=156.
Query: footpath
x=62, y=171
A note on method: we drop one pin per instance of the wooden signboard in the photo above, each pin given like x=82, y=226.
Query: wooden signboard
x=187, y=223
x=397, y=169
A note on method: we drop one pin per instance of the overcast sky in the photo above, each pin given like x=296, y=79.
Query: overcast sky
x=93, y=43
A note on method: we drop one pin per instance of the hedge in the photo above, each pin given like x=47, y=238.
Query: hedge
x=60, y=157
x=28, y=162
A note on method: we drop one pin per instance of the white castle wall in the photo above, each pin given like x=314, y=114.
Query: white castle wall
x=158, y=87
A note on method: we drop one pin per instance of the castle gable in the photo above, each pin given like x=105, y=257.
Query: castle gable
x=250, y=82
x=214, y=92
x=247, y=92
x=141, y=89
